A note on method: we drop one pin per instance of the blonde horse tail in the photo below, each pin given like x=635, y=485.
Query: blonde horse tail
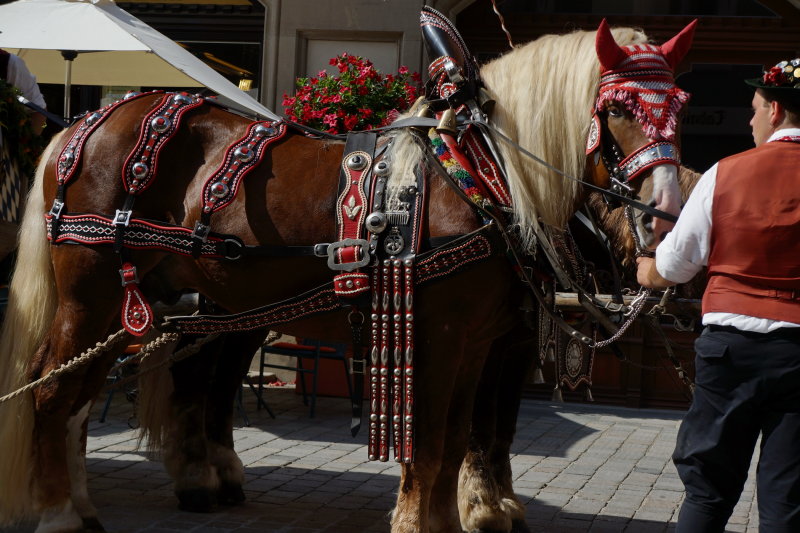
x=154, y=411
x=30, y=311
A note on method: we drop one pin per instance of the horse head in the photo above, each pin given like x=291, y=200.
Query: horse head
x=632, y=145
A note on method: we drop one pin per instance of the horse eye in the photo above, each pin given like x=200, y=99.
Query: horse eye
x=614, y=111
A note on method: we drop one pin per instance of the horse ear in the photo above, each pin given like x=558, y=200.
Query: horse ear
x=676, y=48
x=608, y=51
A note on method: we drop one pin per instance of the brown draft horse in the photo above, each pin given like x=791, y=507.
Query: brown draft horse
x=66, y=298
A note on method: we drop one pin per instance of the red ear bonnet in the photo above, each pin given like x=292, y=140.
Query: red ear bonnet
x=675, y=49
x=609, y=52
x=640, y=77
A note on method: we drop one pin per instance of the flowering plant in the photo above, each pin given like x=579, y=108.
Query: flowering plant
x=359, y=98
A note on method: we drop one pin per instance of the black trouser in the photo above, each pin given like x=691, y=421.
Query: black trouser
x=746, y=384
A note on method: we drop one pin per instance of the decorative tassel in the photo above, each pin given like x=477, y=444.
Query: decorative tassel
x=588, y=396
x=557, y=397
x=538, y=377
x=551, y=352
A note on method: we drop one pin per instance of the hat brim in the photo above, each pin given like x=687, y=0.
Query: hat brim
x=758, y=83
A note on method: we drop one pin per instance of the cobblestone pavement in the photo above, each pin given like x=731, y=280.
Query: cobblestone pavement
x=577, y=468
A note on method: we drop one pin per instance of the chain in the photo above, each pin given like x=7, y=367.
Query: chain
x=85, y=357
x=652, y=321
x=636, y=306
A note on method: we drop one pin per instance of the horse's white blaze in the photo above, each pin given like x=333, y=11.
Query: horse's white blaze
x=76, y=464
x=666, y=196
x=56, y=519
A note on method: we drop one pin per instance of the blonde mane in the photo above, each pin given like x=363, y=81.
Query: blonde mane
x=544, y=92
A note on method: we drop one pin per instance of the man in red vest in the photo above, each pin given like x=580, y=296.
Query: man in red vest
x=743, y=221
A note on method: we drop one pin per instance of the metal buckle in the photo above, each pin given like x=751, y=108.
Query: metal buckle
x=620, y=188
x=348, y=267
x=58, y=206
x=122, y=218
x=200, y=231
x=124, y=271
x=358, y=366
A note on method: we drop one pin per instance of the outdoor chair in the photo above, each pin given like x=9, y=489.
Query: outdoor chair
x=312, y=350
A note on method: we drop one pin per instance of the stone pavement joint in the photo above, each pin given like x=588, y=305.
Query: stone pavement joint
x=576, y=467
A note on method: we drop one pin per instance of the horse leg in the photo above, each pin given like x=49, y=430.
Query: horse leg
x=434, y=382
x=232, y=365
x=76, y=463
x=186, y=456
x=452, y=343
x=486, y=496
x=60, y=411
x=444, y=512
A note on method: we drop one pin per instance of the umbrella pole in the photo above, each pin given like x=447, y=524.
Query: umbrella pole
x=69, y=56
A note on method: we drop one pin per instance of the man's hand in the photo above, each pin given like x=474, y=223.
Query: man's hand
x=648, y=276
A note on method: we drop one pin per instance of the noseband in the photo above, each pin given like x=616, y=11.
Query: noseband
x=625, y=169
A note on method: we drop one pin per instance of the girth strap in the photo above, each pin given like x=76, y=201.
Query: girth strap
x=459, y=253
x=90, y=229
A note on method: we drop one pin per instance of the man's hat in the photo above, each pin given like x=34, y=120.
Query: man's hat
x=785, y=75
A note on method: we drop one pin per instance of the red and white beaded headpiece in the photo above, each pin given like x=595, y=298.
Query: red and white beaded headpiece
x=641, y=78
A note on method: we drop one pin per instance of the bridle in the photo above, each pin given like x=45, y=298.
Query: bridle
x=623, y=169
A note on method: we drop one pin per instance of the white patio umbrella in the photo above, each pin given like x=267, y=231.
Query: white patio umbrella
x=94, y=42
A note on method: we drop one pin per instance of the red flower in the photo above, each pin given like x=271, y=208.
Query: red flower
x=775, y=76
x=359, y=97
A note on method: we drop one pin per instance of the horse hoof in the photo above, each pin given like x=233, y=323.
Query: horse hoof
x=519, y=526
x=230, y=494
x=93, y=525
x=196, y=500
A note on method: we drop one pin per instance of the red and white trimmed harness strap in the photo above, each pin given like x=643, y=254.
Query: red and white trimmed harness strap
x=648, y=156
x=158, y=127
x=351, y=252
x=242, y=156
x=486, y=169
x=73, y=150
x=138, y=172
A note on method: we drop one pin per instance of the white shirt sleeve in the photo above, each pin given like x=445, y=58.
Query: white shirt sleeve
x=684, y=251
x=20, y=77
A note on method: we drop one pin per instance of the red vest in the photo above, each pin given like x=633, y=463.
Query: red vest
x=754, y=263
